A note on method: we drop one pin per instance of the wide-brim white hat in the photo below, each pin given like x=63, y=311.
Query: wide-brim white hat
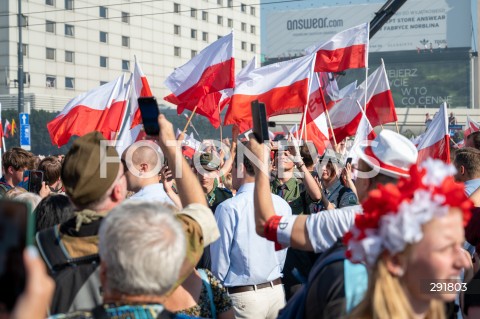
x=391, y=153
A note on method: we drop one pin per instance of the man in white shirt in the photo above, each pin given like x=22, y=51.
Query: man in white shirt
x=246, y=263
x=144, y=160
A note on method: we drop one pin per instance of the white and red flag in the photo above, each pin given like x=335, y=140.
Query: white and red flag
x=100, y=109
x=7, y=129
x=435, y=142
x=345, y=50
x=132, y=127
x=380, y=109
x=212, y=70
x=283, y=87
x=471, y=127
x=315, y=121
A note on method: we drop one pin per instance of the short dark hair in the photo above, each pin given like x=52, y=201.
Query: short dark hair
x=52, y=168
x=469, y=158
x=306, y=155
x=17, y=158
x=52, y=210
x=246, y=162
x=475, y=138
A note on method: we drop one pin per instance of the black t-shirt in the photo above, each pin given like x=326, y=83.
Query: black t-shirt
x=471, y=297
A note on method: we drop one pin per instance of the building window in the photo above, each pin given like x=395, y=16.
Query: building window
x=103, y=36
x=125, y=17
x=69, y=56
x=176, y=29
x=244, y=63
x=220, y=2
x=244, y=45
x=220, y=20
x=24, y=49
x=125, y=65
x=193, y=13
x=125, y=41
x=244, y=27
x=193, y=34
x=252, y=11
x=103, y=83
x=69, y=83
x=204, y=15
x=51, y=81
x=50, y=2
x=230, y=3
x=230, y=23
x=253, y=47
x=103, y=12
x=176, y=7
x=243, y=7
x=50, y=54
x=193, y=53
x=68, y=4
x=50, y=26
x=177, y=51
x=103, y=61
x=252, y=29
x=69, y=30
x=219, y=37
x=205, y=36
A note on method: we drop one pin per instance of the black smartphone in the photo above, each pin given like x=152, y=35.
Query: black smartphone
x=16, y=232
x=260, y=123
x=32, y=181
x=349, y=161
x=149, y=110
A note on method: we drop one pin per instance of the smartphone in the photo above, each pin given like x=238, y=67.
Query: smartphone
x=32, y=181
x=149, y=110
x=16, y=232
x=349, y=161
x=260, y=123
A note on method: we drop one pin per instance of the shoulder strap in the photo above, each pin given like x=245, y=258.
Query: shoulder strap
x=206, y=282
x=342, y=191
x=331, y=258
x=99, y=312
x=49, y=245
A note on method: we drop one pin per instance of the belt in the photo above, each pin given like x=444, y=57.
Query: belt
x=237, y=289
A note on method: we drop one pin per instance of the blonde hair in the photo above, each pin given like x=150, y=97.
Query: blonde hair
x=385, y=298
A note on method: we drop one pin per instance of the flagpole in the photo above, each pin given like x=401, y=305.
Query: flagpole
x=189, y=119
x=396, y=124
x=328, y=115
x=364, y=114
x=221, y=129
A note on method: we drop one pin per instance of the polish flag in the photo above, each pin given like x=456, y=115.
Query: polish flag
x=210, y=71
x=100, y=109
x=380, y=109
x=7, y=129
x=133, y=123
x=472, y=126
x=211, y=105
x=364, y=133
x=315, y=120
x=283, y=87
x=345, y=50
x=436, y=140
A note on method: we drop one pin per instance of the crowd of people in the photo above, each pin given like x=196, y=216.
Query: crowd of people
x=272, y=230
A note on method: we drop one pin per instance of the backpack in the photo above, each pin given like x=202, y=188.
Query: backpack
x=77, y=280
x=355, y=285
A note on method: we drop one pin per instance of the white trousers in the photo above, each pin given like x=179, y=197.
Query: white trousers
x=260, y=303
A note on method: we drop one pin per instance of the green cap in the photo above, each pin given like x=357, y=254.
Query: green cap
x=209, y=161
x=81, y=169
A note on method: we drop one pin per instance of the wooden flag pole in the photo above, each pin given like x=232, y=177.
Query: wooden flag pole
x=221, y=130
x=381, y=125
x=189, y=119
x=396, y=124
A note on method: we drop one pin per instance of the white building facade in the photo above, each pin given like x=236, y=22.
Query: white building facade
x=72, y=46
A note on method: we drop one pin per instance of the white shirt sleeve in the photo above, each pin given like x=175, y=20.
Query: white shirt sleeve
x=325, y=227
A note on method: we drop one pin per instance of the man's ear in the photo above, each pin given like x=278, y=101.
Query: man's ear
x=144, y=167
x=10, y=170
x=462, y=170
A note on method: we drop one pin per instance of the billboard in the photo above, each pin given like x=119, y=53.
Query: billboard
x=418, y=25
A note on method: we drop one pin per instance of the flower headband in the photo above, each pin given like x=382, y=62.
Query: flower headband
x=394, y=214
